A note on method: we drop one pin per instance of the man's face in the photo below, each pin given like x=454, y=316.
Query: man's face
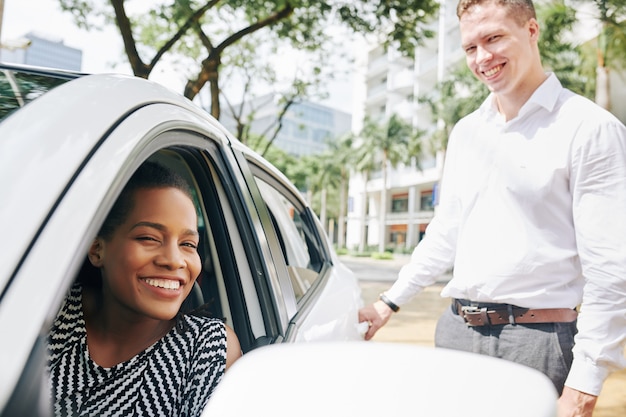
x=499, y=51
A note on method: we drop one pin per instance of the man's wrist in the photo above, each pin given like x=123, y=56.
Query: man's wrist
x=393, y=306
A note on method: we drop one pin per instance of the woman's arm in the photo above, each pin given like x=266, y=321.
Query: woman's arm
x=233, y=348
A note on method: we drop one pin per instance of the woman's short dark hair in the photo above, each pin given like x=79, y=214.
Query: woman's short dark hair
x=149, y=175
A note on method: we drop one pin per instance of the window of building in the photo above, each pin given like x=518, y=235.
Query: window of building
x=400, y=203
x=398, y=234
x=426, y=201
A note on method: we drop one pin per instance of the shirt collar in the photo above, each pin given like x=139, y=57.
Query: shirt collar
x=546, y=96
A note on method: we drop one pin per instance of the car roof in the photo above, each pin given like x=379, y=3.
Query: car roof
x=45, y=143
x=48, y=72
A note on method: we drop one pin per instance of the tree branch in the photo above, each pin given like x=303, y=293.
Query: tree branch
x=140, y=68
x=210, y=65
x=191, y=21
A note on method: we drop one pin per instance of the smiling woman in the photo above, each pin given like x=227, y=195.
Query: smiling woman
x=119, y=345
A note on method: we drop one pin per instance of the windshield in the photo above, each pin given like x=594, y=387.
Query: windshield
x=19, y=86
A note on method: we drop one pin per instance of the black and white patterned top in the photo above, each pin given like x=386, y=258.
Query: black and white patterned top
x=173, y=377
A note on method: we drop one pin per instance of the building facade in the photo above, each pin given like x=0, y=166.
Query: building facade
x=42, y=51
x=392, y=84
x=306, y=126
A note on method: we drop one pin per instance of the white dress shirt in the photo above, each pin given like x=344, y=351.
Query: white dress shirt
x=533, y=213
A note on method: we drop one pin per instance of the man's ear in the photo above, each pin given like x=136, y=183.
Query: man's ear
x=533, y=28
x=96, y=252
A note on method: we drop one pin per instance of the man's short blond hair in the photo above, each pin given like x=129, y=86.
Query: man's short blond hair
x=521, y=10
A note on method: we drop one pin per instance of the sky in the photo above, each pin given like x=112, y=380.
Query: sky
x=103, y=50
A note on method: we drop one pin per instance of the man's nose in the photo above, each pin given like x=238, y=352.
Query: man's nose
x=482, y=55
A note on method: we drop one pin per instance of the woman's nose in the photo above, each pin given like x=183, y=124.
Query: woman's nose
x=171, y=256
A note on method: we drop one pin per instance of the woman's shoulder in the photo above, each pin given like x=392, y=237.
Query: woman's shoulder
x=68, y=327
x=70, y=311
x=201, y=330
x=201, y=322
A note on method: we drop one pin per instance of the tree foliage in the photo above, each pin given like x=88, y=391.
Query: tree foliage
x=558, y=52
x=453, y=98
x=390, y=143
x=608, y=51
x=204, y=30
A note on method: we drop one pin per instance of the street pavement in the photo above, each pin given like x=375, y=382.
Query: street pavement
x=415, y=322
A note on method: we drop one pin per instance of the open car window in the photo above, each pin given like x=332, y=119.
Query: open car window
x=227, y=286
x=299, y=242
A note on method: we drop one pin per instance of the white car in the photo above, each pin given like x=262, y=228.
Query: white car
x=379, y=379
x=269, y=269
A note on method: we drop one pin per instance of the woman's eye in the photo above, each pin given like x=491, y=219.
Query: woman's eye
x=147, y=238
x=190, y=245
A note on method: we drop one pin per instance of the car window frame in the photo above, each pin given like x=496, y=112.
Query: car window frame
x=279, y=183
x=235, y=224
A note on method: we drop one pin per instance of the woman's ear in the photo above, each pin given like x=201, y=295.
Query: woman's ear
x=96, y=252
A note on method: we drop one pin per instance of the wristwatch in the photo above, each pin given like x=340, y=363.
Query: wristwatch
x=382, y=297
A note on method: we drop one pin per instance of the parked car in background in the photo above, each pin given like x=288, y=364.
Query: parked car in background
x=69, y=143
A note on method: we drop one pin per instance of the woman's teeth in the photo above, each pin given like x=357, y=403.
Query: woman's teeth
x=163, y=283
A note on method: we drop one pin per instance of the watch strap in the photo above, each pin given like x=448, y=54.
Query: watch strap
x=389, y=303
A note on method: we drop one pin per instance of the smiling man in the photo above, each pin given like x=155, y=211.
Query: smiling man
x=532, y=218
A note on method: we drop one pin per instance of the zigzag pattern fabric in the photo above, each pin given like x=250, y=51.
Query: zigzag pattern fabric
x=173, y=377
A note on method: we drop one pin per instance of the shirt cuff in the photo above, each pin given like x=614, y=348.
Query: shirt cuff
x=586, y=377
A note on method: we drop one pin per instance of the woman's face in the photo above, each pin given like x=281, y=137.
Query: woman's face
x=151, y=261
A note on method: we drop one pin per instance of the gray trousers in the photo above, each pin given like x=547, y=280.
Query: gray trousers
x=546, y=347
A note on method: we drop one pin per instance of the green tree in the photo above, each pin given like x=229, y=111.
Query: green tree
x=610, y=44
x=327, y=176
x=284, y=162
x=343, y=158
x=558, y=54
x=204, y=30
x=395, y=141
x=455, y=97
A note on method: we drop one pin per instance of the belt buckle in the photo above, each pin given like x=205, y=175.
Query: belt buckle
x=475, y=316
x=470, y=309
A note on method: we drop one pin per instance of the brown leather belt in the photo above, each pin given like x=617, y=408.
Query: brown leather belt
x=494, y=314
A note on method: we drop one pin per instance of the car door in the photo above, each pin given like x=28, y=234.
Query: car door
x=172, y=134
x=326, y=293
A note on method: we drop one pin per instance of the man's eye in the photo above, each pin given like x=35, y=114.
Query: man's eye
x=190, y=245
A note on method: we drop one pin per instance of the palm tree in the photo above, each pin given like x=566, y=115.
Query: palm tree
x=395, y=142
x=365, y=163
x=324, y=175
x=610, y=48
x=558, y=52
x=342, y=160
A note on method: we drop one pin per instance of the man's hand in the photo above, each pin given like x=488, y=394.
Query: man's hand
x=575, y=403
x=376, y=315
